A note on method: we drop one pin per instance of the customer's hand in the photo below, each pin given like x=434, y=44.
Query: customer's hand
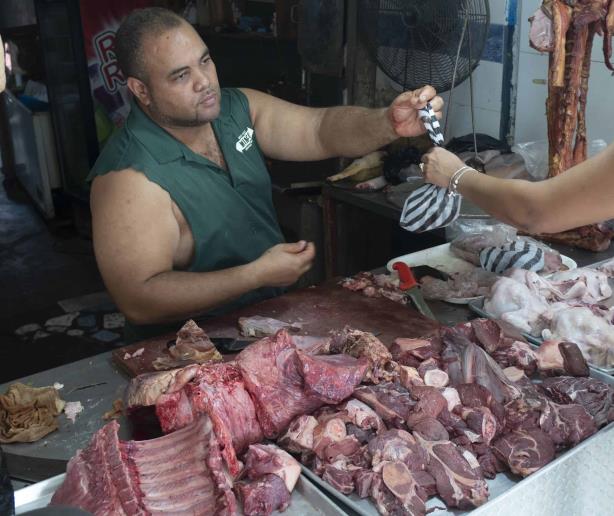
x=439, y=165
x=283, y=264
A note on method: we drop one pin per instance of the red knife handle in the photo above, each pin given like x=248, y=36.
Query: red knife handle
x=406, y=276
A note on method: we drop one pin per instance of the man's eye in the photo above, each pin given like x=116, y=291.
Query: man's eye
x=206, y=60
x=181, y=76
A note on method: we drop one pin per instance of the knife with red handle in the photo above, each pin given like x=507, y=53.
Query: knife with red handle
x=410, y=287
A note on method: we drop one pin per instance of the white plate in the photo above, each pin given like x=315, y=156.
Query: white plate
x=442, y=258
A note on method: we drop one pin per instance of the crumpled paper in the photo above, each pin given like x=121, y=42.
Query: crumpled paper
x=28, y=413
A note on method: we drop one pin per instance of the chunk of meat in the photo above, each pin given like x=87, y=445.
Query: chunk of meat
x=218, y=391
x=263, y=496
x=595, y=396
x=524, y=451
x=399, y=480
x=430, y=404
x=431, y=429
x=391, y=402
x=558, y=357
x=567, y=425
x=264, y=459
x=412, y=352
x=458, y=484
x=191, y=346
x=468, y=363
x=358, y=344
x=363, y=416
x=409, y=376
x=331, y=378
x=145, y=389
x=329, y=431
x=299, y=436
x=397, y=446
x=272, y=376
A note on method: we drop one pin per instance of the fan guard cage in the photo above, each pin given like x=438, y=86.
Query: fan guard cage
x=415, y=42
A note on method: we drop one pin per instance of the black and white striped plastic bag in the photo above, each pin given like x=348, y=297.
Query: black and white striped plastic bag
x=518, y=254
x=430, y=207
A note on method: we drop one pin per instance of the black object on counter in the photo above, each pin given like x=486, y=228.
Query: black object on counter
x=7, y=499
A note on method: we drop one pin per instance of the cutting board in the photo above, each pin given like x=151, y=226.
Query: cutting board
x=319, y=309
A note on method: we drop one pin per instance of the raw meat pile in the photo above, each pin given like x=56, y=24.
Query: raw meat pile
x=428, y=417
x=566, y=30
x=461, y=409
x=568, y=306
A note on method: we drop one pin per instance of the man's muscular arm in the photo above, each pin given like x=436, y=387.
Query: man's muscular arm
x=136, y=236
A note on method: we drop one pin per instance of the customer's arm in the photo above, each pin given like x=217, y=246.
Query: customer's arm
x=581, y=195
x=297, y=133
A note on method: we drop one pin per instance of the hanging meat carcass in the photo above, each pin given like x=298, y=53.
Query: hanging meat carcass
x=566, y=29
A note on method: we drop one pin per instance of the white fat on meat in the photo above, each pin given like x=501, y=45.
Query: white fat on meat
x=515, y=304
x=436, y=378
x=363, y=416
x=452, y=397
x=593, y=334
x=299, y=436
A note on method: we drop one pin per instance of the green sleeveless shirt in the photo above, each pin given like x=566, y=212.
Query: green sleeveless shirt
x=231, y=214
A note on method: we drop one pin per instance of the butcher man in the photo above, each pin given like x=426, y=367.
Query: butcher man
x=183, y=221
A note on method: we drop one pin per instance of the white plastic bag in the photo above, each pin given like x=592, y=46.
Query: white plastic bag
x=535, y=155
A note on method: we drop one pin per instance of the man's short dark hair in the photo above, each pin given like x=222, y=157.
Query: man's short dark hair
x=129, y=37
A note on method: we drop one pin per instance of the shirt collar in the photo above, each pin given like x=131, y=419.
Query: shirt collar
x=163, y=146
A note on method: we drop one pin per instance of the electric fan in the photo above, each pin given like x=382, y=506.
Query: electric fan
x=418, y=42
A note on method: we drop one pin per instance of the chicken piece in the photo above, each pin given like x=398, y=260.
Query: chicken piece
x=514, y=303
x=593, y=335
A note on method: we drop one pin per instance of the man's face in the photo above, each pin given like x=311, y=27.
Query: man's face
x=182, y=85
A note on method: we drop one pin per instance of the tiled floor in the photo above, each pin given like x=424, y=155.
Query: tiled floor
x=42, y=263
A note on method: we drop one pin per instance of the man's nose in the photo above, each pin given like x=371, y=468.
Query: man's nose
x=201, y=81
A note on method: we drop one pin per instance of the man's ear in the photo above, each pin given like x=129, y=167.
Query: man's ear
x=139, y=90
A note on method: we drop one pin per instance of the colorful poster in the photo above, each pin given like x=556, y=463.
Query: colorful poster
x=100, y=21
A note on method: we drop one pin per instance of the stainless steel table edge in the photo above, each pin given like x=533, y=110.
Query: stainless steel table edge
x=305, y=497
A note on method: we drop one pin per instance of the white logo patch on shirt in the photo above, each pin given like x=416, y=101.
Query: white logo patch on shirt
x=245, y=140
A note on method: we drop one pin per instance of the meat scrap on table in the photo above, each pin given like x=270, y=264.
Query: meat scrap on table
x=430, y=417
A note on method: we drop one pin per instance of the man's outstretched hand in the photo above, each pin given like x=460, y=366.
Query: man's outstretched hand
x=403, y=112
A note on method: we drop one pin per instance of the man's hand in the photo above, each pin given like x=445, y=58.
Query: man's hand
x=283, y=264
x=403, y=112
